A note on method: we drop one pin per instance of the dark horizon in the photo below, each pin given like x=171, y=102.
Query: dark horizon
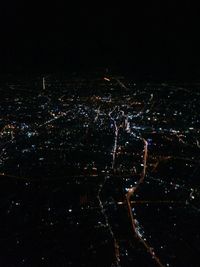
x=155, y=40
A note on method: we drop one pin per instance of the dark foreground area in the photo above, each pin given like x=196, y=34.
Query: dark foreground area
x=99, y=171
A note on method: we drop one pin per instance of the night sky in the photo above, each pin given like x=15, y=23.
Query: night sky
x=145, y=39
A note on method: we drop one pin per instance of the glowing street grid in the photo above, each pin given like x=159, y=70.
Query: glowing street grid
x=99, y=171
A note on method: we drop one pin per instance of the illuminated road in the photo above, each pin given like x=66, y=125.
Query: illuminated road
x=116, y=137
x=121, y=84
x=132, y=190
x=128, y=197
x=54, y=119
x=116, y=245
x=97, y=116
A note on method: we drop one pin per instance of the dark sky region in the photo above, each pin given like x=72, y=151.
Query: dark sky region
x=146, y=38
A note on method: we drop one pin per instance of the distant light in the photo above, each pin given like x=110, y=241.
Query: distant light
x=106, y=79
